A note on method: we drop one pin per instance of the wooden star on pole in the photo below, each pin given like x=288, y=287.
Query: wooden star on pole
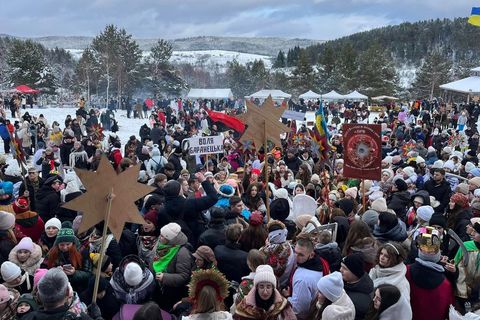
x=100, y=185
x=266, y=115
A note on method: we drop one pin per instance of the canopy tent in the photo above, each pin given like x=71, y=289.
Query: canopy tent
x=276, y=95
x=380, y=98
x=333, y=95
x=310, y=95
x=355, y=95
x=26, y=89
x=210, y=94
x=470, y=85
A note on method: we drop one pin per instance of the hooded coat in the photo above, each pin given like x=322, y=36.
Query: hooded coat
x=361, y=293
x=401, y=307
x=28, y=224
x=47, y=202
x=132, y=295
x=398, y=233
x=247, y=309
x=394, y=275
x=33, y=262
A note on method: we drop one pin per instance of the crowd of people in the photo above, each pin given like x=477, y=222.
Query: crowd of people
x=220, y=242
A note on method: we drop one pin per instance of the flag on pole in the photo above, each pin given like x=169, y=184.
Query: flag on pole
x=320, y=133
x=475, y=17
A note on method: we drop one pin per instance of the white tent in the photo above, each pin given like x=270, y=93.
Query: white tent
x=355, y=95
x=309, y=95
x=210, y=94
x=470, y=85
x=379, y=98
x=276, y=95
x=333, y=95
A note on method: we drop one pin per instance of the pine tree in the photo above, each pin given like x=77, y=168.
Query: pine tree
x=303, y=76
x=434, y=71
x=27, y=64
x=259, y=75
x=280, y=81
x=238, y=77
x=377, y=75
x=280, y=62
x=87, y=72
x=128, y=67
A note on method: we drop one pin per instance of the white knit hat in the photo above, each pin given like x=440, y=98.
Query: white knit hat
x=437, y=164
x=54, y=222
x=409, y=171
x=331, y=286
x=425, y=213
x=133, y=274
x=264, y=273
x=170, y=230
x=7, y=220
x=10, y=271
x=449, y=165
x=469, y=166
x=419, y=160
x=447, y=150
x=431, y=149
x=476, y=193
x=379, y=205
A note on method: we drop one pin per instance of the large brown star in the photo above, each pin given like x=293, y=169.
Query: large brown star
x=99, y=185
x=256, y=117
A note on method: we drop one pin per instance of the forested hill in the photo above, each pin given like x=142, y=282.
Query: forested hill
x=411, y=42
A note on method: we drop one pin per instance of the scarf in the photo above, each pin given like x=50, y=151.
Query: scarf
x=165, y=254
x=264, y=304
x=278, y=236
x=429, y=261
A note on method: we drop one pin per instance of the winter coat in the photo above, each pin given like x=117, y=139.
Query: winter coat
x=33, y=262
x=468, y=276
x=155, y=163
x=361, y=294
x=332, y=253
x=65, y=150
x=213, y=236
x=78, y=158
x=32, y=190
x=6, y=245
x=26, y=136
x=116, y=157
x=217, y=315
x=60, y=313
x=48, y=164
x=113, y=249
x=47, y=202
x=462, y=220
x=282, y=260
x=132, y=295
x=28, y=224
x=441, y=192
x=397, y=233
x=293, y=164
x=399, y=203
x=304, y=286
x=429, y=285
x=231, y=261
x=394, y=275
x=342, y=309
x=280, y=310
x=179, y=270
x=401, y=307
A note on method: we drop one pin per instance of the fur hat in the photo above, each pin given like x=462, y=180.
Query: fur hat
x=133, y=274
x=425, y=213
x=170, y=231
x=7, y=220
x=10, y=271
x=53, y=222
x=379, y=205
x=264, y=273
x=354, y=262
x=279, y=209
x=53, y=286
x=331, y=286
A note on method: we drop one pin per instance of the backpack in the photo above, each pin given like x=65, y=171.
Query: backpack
x=158, y=167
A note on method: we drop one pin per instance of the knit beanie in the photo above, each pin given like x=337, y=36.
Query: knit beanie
x=352, y=192
x=25, y=244
x=7, y=220
x=475, y=181
x=172, y=188
x=39, y=273
x=256, y=219
x=425, y=213
x=460, y=199
x=53, y=286
x=463, y=188
x=370, y=217
x=401, y=184
x=53, y=222
x=409, y=171
x=10, y=271
x=66, y=234
x=438, y=219
x=375, y=195
x=280, y=209
x=379, y=205
x=20, y=205
x=331, y=286
x=205, y=253
x=133, y=274
x=170, y=231
x=28, y=299
x=387, y=220
x=4, y=294
x=437, y=164
x=355, y=264
x=264, y=273
x=419, y=160
x=469, y=166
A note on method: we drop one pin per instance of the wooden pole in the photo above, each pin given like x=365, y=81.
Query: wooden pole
x=265, y=168
x=364, y=199
x=102, y=248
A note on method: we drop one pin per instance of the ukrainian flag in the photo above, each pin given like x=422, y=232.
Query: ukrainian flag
x=475, y=17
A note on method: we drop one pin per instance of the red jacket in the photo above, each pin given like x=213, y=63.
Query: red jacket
x=29, y=224
x=116, y=156
x=431, y=293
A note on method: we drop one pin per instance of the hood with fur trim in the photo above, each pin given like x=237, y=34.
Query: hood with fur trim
x=32, y=263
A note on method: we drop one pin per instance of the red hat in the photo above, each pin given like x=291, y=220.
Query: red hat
x=256, y=218
x=152, y=216
x=21, y=205
x=460, y=199
x=256, y=171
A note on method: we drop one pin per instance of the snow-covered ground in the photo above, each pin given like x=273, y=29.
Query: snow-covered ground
x=218, y=58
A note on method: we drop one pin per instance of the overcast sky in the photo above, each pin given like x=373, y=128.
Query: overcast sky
x=314, y=19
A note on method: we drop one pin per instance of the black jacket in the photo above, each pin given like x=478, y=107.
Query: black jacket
x=47, y=202
x=55, y=314
x=361, y=294
x=232, y=261
x=441, y=192
x=397, y=233
x=293, y=164
x=399, y=203
x=213, y=236
x=31, y=191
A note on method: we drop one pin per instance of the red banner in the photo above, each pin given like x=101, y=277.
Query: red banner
x=362, y=153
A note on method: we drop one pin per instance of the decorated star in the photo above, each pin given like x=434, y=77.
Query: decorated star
x=100, y=184
x=267, y=114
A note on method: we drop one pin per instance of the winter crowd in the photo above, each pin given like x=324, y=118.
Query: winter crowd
x=220, y=243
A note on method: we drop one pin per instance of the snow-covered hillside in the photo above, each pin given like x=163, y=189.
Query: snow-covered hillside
x=214, y=58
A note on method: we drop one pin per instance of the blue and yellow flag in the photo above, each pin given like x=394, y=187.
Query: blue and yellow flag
x=475, y=17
